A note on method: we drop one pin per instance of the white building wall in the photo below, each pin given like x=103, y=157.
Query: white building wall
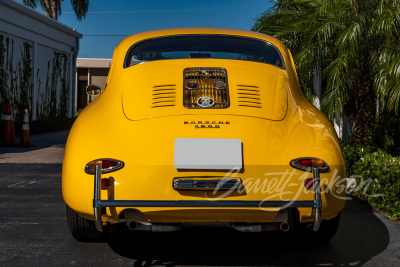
x=54, y=49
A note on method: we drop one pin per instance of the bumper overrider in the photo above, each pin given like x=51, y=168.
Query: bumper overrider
x=316, y=204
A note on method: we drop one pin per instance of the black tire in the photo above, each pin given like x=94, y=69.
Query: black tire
x=82, y=229
x=325, y=233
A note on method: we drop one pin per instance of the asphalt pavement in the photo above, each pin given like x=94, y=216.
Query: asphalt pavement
x=45, y=148
x=34, y=232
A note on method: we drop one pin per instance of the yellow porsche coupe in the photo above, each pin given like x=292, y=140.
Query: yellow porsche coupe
x=202, y=127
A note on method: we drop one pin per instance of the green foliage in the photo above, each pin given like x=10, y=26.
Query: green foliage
x=356, y=44
x=23, y=99
x=3, y=73
x=53, y=7
x=351, y=155
x=16, y=80
x=377, y=176
x=63, y=73
x=388, y=135
x=57, y=77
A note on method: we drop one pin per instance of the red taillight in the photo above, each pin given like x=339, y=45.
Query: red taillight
x=306, y=164
x=105, y=183
x=107, y=165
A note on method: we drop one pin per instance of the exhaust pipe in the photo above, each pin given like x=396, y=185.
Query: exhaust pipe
x=165, y=227
x=132, y=225
x=284, y=227
x=249, y=228
x=261, y=227
x=137, y=226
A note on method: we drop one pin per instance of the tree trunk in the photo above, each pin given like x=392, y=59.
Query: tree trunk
x=361, y=111
x=54, y=10
x=317, y=82
x=368, y=117
x=51, y=9
x=350, y=109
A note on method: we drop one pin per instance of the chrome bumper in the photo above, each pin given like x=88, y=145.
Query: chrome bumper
x=316, y=204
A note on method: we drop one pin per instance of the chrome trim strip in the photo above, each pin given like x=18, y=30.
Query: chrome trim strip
x=206, y=184
x=318, y=200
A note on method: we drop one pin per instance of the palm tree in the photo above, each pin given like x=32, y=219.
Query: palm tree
x=354, y=43
x=53, y=7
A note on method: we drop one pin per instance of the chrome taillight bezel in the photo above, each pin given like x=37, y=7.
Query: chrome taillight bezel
x=120, y=165
x=294, y=164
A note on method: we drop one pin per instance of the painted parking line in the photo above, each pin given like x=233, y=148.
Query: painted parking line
x=22, y=184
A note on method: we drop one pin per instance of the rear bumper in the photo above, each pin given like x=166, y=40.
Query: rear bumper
x=316, y=203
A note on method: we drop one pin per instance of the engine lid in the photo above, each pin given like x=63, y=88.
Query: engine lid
x=161, y=88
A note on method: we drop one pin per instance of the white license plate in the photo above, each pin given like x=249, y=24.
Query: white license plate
x=208, y=154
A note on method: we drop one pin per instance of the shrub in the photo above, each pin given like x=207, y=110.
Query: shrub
x=351, y=155
x=377, y=177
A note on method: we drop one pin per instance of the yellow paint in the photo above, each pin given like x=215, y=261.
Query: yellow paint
x=121, y=124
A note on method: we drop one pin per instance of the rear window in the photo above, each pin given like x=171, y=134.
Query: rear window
x=204, y=46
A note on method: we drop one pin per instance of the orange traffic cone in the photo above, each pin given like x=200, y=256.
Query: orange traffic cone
x=8, y=136
x=25, y=130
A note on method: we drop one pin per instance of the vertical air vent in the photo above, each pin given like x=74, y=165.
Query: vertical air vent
x=163, y=96
x=205, y=88
x=248, y=96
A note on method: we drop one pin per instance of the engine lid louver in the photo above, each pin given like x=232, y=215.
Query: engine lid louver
x=205, y=88
x=163, y=96
x=248, y=96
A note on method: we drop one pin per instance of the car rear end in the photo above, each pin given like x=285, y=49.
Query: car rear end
x=200, y=140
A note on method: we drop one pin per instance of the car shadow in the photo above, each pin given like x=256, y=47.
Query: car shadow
x=361, y=236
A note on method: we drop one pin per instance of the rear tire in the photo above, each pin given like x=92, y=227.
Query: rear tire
x=325, y=233
x=82, y=229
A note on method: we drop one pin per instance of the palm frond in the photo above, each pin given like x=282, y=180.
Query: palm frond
x=30, y=3
x=353, y=36
x=80, y=7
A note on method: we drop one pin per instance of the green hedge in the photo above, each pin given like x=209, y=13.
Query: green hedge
x=377, y=176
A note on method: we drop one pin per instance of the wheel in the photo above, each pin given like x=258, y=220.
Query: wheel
x=325, y=233
x=82, y=229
